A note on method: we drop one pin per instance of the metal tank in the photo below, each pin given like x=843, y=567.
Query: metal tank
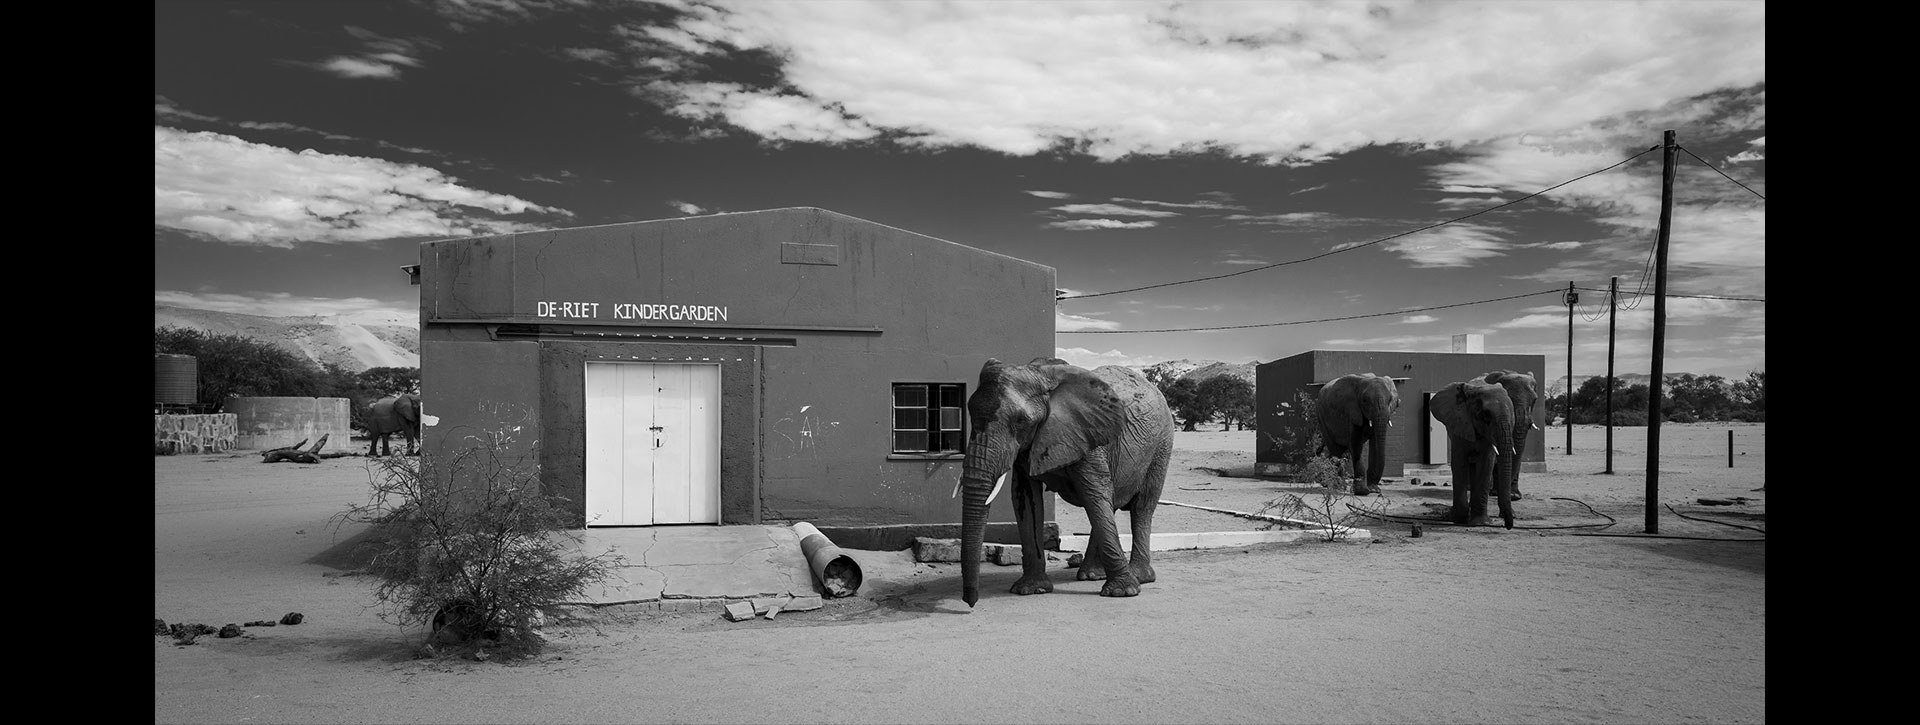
x=176, y=379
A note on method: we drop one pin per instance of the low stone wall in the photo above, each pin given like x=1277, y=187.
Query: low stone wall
x=273, y=422
x=195, y=433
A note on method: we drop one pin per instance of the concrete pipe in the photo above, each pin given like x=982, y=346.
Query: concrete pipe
x=838, y=573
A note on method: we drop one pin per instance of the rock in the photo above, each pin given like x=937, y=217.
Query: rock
x=293, y=618
x=928, y=549
x=1416, y=482
x=1073, y=562
x=1003, y=554
x=185, y=636
x=772, y=611
x=1416, y=531
x=230, y=631
x=738, y=611
x=763, y=605
x=160, y=626
x=802, y=604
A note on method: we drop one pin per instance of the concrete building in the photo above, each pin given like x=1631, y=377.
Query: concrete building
x=1416, y=442
x=760, y=367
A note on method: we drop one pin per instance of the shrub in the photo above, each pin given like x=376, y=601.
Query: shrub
x=479, y=554
x=1629, y=417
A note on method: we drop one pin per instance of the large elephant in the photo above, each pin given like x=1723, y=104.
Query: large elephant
x=390, y=415
x=1355, y=411
x=1100, y=438
x=1479, y=421
x=1523, y=391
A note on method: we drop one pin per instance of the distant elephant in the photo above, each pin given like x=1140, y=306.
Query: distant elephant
x=390, y=415
x=1479, y=421
x=1523, y=391
x=1101, y=439
x=1356, y=410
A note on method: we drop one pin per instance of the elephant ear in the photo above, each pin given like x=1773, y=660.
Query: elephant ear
x=1450, y=406
x=1083, y=413
x=408, y=406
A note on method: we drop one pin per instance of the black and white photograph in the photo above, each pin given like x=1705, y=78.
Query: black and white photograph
x=960, y=361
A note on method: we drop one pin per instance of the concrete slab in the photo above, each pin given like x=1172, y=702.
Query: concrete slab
x=698, y=567
x=1216, y=539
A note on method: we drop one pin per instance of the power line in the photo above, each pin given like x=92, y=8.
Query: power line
x=1701, y=297
x=1556, y=290
x=1365, y=244
x=1716, y=169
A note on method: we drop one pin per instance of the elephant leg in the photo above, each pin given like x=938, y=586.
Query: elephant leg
x=1103, y=546
x=1462, y=480
x=1482, y=480
x=1356, y=462
x=1029, y=513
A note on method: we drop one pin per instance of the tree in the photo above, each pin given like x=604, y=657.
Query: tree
x=1752, y=392
x=1183, y=398
x=1698, y=397
x=231, y=366
x=1229, y=396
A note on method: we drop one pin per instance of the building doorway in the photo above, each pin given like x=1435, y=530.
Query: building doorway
x=652, y=443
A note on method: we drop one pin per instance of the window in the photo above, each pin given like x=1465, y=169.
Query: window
x=927, y=417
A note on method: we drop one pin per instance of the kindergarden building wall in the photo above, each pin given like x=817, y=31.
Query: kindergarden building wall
x=759, y=367
x=1416, y=439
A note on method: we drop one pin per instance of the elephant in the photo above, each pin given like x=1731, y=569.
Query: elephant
x=1100, y=438
x=390, y=415
x=1479, y=420
x=1356, y=410
x=1524, y=391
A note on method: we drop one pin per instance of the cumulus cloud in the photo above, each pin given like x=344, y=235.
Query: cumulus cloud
x=1089, y=359
x=1050, y=194
x=380, y=57
x=1207, y=204
x=220, y=187
x=1063, y=322
x=1418, y=319
x=1114, y=80
x=1454, y=245
x=1086, y=224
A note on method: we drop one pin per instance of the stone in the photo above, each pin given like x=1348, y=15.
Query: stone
x=1003, y=554
x=763, y=605
x=1415, y=481
x=738, y=611
x=803, y=604
x=293, y=618
x=160, y=626
x=1073, y=562
x=929, y=549
x=230, y=631
x=773, y=610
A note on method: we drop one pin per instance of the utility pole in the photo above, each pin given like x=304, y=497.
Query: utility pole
x=1613, y=311
x=1572, y=297
x=1671, y=148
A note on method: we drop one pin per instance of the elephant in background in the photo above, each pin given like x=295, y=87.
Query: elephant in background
x=1524, y=391
x=1479, y=421
x=1101, y=439
x=1355, y=411
x=390, y=415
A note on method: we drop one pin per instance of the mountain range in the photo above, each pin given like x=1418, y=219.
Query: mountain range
x=355, y=342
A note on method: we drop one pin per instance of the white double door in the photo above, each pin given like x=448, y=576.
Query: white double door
x=653, y=443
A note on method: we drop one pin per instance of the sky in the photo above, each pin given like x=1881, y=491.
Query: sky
x=1424, y=169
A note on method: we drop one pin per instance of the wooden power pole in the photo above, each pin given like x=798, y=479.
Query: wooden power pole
x=1613, y=311
x=1572, y=297
x=1671, y=148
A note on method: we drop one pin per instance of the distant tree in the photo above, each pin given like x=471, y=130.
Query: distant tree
x=390, y=380
x=1230, y=397
x=1183, y=397
x=232, y=366
x=1751, y=393
x=1698, y=397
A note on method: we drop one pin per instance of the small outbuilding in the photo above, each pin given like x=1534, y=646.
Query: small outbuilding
x=1416, y=441
x=758, y=367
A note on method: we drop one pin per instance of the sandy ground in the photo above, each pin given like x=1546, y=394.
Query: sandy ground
x=1460, y=625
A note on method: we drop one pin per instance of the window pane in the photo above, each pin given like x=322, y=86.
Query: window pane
x=910, y=396
x=910, y=419
x=949, y=419
x=911, y=441
x=950, y=441
x=950, y=396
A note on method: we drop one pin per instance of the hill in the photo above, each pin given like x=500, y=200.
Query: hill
x=355, y=342
x=1198, y=372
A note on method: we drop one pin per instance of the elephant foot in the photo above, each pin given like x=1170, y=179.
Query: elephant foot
x=1090, y=571
x=1514, y=495
x=1480, y=520
x=1142, y=573
x=1125, y=586
x=1458, y=515
x=1032, y=584
x=1361, y=489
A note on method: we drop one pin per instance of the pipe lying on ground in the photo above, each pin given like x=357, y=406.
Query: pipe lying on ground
x=838, y=573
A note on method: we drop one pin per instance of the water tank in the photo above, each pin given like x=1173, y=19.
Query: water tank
x=176, y=379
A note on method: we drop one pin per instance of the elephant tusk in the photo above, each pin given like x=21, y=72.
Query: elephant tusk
x=1536, y=426
x=1001, y=481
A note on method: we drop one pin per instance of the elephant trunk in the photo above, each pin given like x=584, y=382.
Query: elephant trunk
x=984, y=466
x=1507, y=468
x=1521, y=429
x=1377, y=453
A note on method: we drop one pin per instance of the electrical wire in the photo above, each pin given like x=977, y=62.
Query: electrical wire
x=1700, y=297
x=1364, y=244
x=1711, y=521
x=1308, y=322
x=1763, y=197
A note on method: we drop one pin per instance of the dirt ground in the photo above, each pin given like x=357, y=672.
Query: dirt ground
x=1542, y=623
